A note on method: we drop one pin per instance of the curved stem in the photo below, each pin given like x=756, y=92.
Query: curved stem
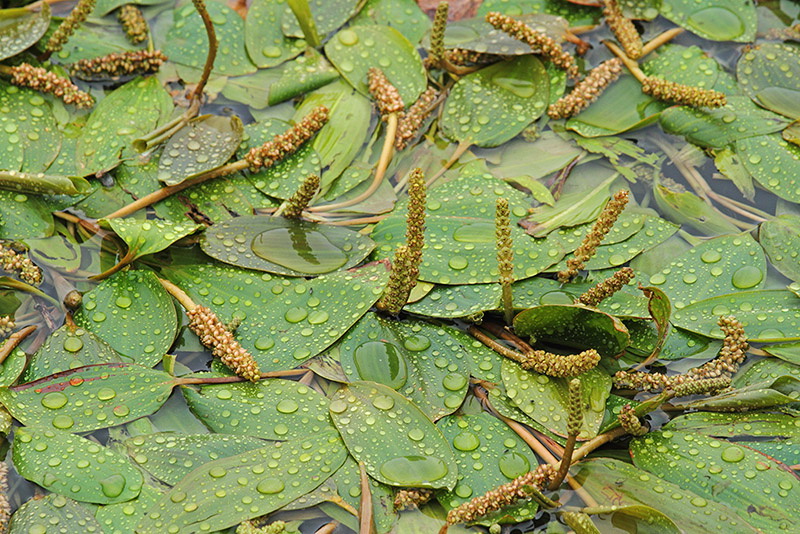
x=365, y=524
x=213, y=44
x=631, y=65
x=124, y=261
x=462, y=147
x=660, y=39
x=13, y=341
x=180, y=295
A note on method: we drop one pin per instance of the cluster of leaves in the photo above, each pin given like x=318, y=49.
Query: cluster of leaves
x=117, y=414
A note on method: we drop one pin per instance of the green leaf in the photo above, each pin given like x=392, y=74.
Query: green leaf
x=473, y=193
x=205, y=143
x=94, y=38
x=660, y=310
x=571, y=209
x=419, y=360
x=780, y=238
x=771, y=160
x=328, y=15
x=144, y=237
x=397, y=443
x=169, y=457
x=403, y=15
x=767, y=315
x=737, y=425
x=271, y=409
x=490, y=106
x=684, y=207
x=123, y=115
x=90, y=397
x=122, y=518
x=348, y=485
x=20, y=29
x=488, y=454
x=53, y=511
x=29, y=136
x=477, y=35
x=12, y=367
x=716, y=20
x=265, y=42
x=761, y=395
x=74, y=466
x=187, y=42
x=627, y=302
x=546, y=399
x=51, y=184
x=133, y=313
x=354, y=50
x=789, y=352
x=760, y=490
x=68, y=348
x=285, y=246
x=267, y=478
x=768, y=74
x=451, y=302
x=25, y=216
x=577, y=15
x=689, y=65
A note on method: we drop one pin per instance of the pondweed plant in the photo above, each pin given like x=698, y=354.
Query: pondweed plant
x=350, y=266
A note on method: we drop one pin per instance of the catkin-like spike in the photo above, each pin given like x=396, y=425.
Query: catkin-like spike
x=288, y=142
x=462, y=57
x=580, y=522
x=76, y=17
x=410, y=122
x=685, y=95
x=133, y=22
x=623, y=29
x=7, y=325
x=710, y=386
x=410, y=498
x=607, y=287
x=248, y=527
x=44, y=81
x=436, y=52
x=501, y=496
x=302, y=197
x=630, y=421
x=587, y=90
x=415, y=218
x=575, y=408
x=505, y=255
x=119, y=64
x=5, y=506
x=557, y=365
x=539, y=42
x=215, y=335
x=386, y=96
x=14, y=262
x=600, y=228
x=402, y=280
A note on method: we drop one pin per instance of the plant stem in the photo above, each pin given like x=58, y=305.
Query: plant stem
x=631, y=65
x=126, y=260
x=365, y=523
x=495, y=346
x=186, y=381
x=13, y=341
x=179, y=294
x=213, y=44
x=660, y=39
x=305, y=20
x=462, y=147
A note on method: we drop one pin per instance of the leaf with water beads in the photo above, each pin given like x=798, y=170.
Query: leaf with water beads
x=769, y=394
x=133, y=313
x=452, y=302
x=768, y=74
x=328, y=15
x=403, y=15
x=417, y=359
x=310, y=316
x=169, y=457
x=628, y=302
x=397, y=443
x=348, y=485
x=780, y=238
x=716, y=20
x=488, y=107
x=24, y=216
x=688, y=65
x=54, y=514
x=738, y=425
x=615, y=483
x=68, y=348
x=356, y=49
x=546, y=399
x=74, y=466
x=21, y=28
x=285, y=246
x=88, y=398
x=266, y=44
x=29, y=134
x=271, y=409
x=144, y=237
x=203, y=144
x=767, y=315
x=122, y=518
x=488, y=454
x=575, y=14
x=225, y=492
x=475, y=193
x=772, y=161
x=719, y=266
x=760, y=490
x=477, y=35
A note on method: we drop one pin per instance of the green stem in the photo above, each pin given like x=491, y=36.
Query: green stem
x=302, y=13
x=12, y=283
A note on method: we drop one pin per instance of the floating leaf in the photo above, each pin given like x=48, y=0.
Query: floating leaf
x=53, y=513
x=767, y=315
x=571, y=209
x=575, y=14
x=684, y=207
x=789, y=352
x=25, y=216
x=125, y=114
x=490, y=106
x=68, y=348
x=205, y=143
x=267, y=478
x=144, y=237
x=450, y=302
x=122, y=518
x=74, y=466
x=265, y=42
x=761, y=395
x=328, y=15
x=735, y=425
x=394, y=439
x=756, y=487
x=29, y=137
x=627, y=302
x=20, y=29
x=170, y=457
x=133, y=313
x=771, y=160
x=403, y=15
x=488, y=454
x=780, y=238
x=546, y=399
x=284, y=246
x=88, y=398
x=716, y=20
x=768, y=74
x=474, y=193
x=354, y=50
x=477, y=35
x=419, y=360
x=348, y=484
x=271, y=409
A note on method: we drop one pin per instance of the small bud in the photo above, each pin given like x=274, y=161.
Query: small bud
x=249, y=527
x=7, y=325
x=214, y=335
x=14, y=262
x=605, y=289
x=575, y=408
x=623, y=29
x=133, y=22
x=557, y=365
x=587, y=90
x=384, y=93
x=415, y=218
x=44, y=81
x=579, y=522
x=505, y=256
x=302, y=197
x=411, y=121
x=73, y=300
x=76, y=17
x=462, y=57
x=436, y=52
x=288, y=142
x=685, y=95
x=119, y=64
x=629, y=421
x=402, y=280
x=411, y=498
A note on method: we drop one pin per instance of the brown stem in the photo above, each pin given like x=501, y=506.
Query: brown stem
x=13, y=341
x=506, y=334
x=631, y=65
x=328, y=529
x=660, y=39
x=197, y=94
x=597, y=442
x=365, y=523
x=561, y=177
x=186, y=381
x=566, y=461
x=462, y=147
x=495, y=346
x=180, y=295
x=123, y=262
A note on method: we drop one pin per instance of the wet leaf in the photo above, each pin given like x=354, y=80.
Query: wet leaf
x=348, y=485
x=450, y=302
x=93, y=39
x=403, y=15
x=490, y=106
x=205, y=143
x=768, y=72
x=68, y=348
x=756, y=487
x=268, y=478
x=716, y=20
x=735, y=425
x=397, y=443
x=122, y=518
x=477, y=35
x=419, y=360
x=473, y=193
x=133, y=314
x=29, y=137
x=169, y=457
x=488, y=454
x=53, y=512
x=571, y=209
x=780, y=238
x=25, y=216
x=144, y=237
x=684, y=207
x=266, y=44
x=88, y=398
x=271, y=409
x=627, y=302
x=283, y=246
x=20, y=29
x=789, y=352
x=354, y=50
x=767, y=315
x=328, y=15
x=757, y=396
x=577, y=15
x=771, y=160
x=74, y=466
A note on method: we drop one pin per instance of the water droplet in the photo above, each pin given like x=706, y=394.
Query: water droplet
x=73, y=344
x=63, y=421
x=348, y=37
x=466, y=441
x=454, y=381
x=415, y=434
x=733, y=454
x=287, y=406
x=417, y=343
x=418, y=471
x=382, y=402
x=513, y=464
x=270, y=486
x=382, y=362
x=54, y=400
x=747, y=277
x=113, y=485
